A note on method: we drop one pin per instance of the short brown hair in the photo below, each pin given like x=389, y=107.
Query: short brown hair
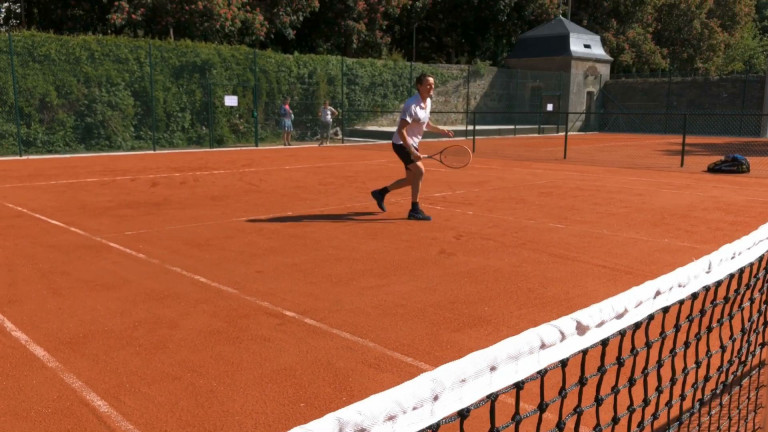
x=423, y=77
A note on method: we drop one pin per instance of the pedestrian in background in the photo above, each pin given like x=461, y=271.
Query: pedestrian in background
x=326, y=114
x=286, y=121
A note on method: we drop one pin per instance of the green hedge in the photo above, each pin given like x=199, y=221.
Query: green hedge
x=96, y=94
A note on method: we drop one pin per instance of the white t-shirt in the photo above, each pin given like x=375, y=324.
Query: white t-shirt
x=326, y=114
x=416, y=112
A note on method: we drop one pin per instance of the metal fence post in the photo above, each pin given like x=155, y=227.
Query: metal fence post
x=210, y=114
x=560, y=99
x=538, y=120
x=15, y=94
x=474, y=130
x=152, y=98
x=743, y=102
x=255, y=108
x=466, y=113
x=343, y=102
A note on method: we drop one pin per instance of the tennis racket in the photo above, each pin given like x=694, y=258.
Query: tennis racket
x=455, y=156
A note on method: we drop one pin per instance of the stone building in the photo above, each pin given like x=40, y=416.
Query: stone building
x=577, y=53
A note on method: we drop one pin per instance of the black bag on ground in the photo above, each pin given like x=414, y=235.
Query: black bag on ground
x=730, y=164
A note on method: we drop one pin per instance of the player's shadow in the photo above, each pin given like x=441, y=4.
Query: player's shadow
x=321, y=217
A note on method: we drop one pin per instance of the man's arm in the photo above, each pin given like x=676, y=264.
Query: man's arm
x=435, y=128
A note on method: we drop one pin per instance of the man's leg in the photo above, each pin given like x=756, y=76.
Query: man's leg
x=416, y=174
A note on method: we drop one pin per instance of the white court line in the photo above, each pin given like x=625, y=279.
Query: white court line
x=306, y=320
x=311, y=211
x=595, y=231
x=620, y=143
x=234, y=291
x=192, y=173
x=106, y=411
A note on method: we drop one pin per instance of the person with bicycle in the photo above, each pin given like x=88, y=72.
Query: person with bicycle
x=326, y=114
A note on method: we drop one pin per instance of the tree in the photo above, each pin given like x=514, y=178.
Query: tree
x=248, y=22
x=626, y=28
x=745, y=47
x=761, y=17
x=746, y=52
x=219, y=21
x=351, y=27
x=693, y=42
x=705, y=36
x=460, y=31
x=63, y=17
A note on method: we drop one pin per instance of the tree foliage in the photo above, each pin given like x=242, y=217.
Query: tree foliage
x=460, y=31
x=704, y=36
x=247, y=22
x=627, y=29
x=353, y=28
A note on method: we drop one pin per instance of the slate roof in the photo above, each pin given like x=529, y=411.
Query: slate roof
x=559, y=38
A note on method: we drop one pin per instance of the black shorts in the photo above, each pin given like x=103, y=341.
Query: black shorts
x=403, y=154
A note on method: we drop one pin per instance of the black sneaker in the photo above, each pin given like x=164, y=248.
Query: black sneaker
x=419, y=215
x=379, y=197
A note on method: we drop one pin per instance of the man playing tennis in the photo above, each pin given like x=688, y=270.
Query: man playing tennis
x=414, y=119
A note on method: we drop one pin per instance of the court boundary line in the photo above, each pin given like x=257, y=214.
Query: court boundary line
x=190, y=173
x=205, y=281
x=428, y=205
x=106, y=411
x=164, y=151
x=266, y=305
x=556, y=225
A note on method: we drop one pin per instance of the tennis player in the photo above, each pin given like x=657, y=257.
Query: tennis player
x=414, y=120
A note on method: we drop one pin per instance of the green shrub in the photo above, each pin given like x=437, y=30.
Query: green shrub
x=95, y=93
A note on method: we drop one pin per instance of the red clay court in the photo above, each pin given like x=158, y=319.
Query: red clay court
x=259, y=289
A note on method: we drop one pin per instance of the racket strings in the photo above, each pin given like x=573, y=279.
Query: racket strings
x=456, y=156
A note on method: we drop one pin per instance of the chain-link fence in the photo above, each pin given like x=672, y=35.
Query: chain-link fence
x=74, y=95
x=9, y=143
x=668, y=141
x=670, y=93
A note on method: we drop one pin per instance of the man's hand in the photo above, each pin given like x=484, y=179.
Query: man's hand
x=415, y=155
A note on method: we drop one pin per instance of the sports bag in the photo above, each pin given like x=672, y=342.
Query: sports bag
x=730, y=164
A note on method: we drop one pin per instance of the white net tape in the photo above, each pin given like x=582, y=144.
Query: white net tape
x=433, y=395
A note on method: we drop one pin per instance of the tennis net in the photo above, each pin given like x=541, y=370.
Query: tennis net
x=683, y=352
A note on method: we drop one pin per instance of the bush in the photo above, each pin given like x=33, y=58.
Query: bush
x=95, y=93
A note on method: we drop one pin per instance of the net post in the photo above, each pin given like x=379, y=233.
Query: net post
x=685, y=131
x=474, y=129
x=565, y=144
